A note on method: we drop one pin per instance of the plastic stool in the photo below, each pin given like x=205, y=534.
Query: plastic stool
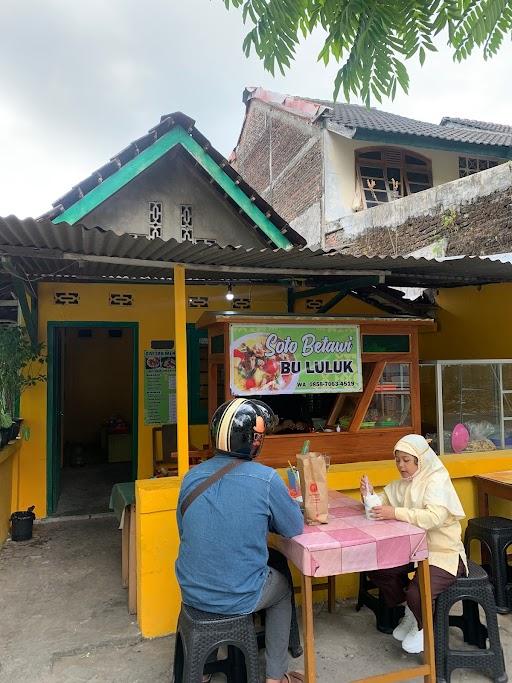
x=473, y=590
x=386, y=618
x=496, y=534
x=201, y=633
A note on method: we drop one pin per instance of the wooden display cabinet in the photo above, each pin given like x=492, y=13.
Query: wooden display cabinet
x=372, y=420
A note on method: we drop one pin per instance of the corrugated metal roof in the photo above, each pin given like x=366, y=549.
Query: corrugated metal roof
x=42, y=250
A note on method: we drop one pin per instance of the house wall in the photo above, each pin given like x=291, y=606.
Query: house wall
x=153, y=310
x=173, y=181
x=280, y=155
x=340, y=171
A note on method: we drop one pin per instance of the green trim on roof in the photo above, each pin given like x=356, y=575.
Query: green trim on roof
x=478, y=149
x=176, y=136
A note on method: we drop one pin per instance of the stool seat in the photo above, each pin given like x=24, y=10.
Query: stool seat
x=199, y=635
x=495, y=535
x=386, y=618
x=473, y=590
x=495, y=524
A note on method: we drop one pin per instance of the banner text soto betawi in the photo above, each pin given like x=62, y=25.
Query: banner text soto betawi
x=310, y=344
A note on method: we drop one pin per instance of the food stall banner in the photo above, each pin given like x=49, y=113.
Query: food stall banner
x=159, y=387
x=294, y=359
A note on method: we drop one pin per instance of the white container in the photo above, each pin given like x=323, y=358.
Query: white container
x=370, y=501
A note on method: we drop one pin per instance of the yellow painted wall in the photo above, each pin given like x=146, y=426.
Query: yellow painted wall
x=153, y=311
x=472, y=322
x=157, y=535
x=9, y=479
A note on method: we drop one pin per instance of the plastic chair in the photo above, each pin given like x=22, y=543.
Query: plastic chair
x=474, y=590
x=386, y=618
x=495, y=533
x=199, y=634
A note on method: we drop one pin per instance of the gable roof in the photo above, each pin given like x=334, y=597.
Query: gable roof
x=368, y=123
x=174, y=130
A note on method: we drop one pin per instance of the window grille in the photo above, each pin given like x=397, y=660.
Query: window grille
x=198, y=302
x=241, y=303
x=186, y=222
x=66, y=298
x=313, y=304
x=118, y=299
x=155, y=219
x=470, y=165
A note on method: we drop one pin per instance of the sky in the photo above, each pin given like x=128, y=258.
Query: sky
x=80, y=81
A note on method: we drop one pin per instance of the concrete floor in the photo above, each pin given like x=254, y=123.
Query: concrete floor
x=64, y=618
x=86, y=490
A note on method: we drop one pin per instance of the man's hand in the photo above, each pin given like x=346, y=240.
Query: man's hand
x=383, y=512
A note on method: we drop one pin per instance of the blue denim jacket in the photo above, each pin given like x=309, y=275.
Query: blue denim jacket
x=222, y=561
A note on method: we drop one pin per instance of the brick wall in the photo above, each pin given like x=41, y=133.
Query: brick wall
x=280, y=155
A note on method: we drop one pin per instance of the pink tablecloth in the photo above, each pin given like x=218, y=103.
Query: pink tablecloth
x=352, y=543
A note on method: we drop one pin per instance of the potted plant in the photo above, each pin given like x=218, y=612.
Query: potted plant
x=21, y=366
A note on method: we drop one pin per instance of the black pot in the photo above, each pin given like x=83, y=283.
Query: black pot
x=5, y=434
x=21, y=524
x=15, y=427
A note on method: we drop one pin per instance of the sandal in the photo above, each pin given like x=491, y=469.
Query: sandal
x=294, y=677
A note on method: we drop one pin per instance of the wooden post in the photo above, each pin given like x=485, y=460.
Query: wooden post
x=429, y=657
x=307, y=630
x=180, y=344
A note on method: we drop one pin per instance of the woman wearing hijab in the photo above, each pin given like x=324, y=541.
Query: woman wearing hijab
x=425, y=497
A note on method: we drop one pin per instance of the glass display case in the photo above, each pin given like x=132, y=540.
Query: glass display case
x=466, y=405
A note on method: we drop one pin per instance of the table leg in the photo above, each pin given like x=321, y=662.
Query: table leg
x=428, y=621
x=307, y=629
x=483, y=500
x=132, y=565
x=331, y=594
x=125, y=544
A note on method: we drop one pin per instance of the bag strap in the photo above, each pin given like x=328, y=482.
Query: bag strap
x=195, y=493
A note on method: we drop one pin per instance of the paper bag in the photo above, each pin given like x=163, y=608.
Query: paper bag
x=313, y=482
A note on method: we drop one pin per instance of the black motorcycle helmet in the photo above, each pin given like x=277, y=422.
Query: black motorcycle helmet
x=238, y=427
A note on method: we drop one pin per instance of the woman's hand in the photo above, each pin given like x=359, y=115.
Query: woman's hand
x=365, y=486
x=383, y=512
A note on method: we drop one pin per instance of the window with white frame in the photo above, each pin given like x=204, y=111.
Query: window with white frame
x=470, y=165
x=155, y=219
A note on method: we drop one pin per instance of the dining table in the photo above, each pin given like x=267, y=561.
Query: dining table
x=498, y=484
x=349, y=543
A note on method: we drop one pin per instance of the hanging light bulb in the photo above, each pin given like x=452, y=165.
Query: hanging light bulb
x=229, y=294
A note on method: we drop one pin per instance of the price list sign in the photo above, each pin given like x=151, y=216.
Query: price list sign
x=159, y=387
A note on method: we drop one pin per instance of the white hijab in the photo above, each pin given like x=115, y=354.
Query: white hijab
x=431, y=484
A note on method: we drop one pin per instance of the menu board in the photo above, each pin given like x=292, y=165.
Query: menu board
x=294, y=359
x=159, y=387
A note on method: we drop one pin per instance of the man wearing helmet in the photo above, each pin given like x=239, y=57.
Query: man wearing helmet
x=222, y=562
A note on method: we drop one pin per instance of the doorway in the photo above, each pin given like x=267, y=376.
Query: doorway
x=92, y=414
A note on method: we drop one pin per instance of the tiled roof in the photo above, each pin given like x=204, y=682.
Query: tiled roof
x=135, y=148
x=359, y=117
x=353, y=120
x=479, y=125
